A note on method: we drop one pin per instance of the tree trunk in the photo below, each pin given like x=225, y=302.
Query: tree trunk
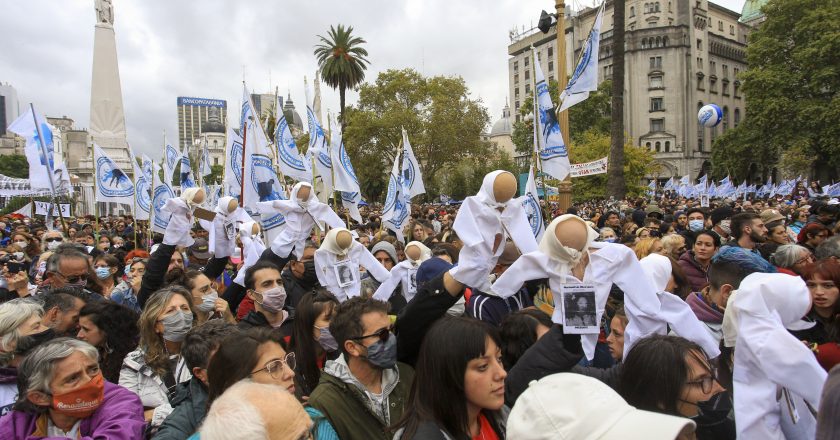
x=341, y=105
x=616, y=186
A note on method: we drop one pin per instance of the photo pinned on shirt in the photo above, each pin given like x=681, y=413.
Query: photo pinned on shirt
x=230, y=230
x=345, y=273
x=579, y=314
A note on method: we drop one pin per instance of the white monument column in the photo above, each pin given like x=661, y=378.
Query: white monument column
x=107, y=117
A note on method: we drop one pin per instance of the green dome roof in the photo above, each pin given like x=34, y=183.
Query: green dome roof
x=751, y=10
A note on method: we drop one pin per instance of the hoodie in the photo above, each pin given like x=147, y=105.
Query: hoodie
x=708, y=315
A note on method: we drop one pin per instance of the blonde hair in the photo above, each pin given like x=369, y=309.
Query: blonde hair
x=645, y=247
x=150, y=341
x=671, y=243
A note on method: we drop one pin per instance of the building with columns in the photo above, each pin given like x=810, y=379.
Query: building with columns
x=680, y=55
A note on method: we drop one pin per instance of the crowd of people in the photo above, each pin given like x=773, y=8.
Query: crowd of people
x=654, y=318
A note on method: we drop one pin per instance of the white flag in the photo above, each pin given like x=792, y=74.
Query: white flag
x=204, y=162
x=143, y=188
x=162, y=191
x=261, y=182
x=395, y=213
x=412, y=178
x=585, y=77
x=344, y=174
x=39, y=154
x=25, y=211
x=319, y=149
x=187, y=179
x=171, y=156
x=292, y=163
x=233, y=164
x=531, y=202
x=553, y=153
x=112, y=184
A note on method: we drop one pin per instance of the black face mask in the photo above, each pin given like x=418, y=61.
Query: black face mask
x=309, y=278
x=29, y=342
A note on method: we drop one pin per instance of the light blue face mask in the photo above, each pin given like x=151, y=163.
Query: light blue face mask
x=696, y=225
x=102, y=272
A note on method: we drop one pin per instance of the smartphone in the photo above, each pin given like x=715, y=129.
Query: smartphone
x=14, y=267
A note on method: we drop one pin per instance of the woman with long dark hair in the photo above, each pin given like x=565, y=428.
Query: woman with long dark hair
x=519, y=331
x=311, y=339
x=112, y=329
x=459, y=384
x=259, y=354
x=695, y=262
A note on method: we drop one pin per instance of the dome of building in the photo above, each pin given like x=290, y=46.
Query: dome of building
x=752, y=10
x=292, y=116
x=503, y=126
x=214, y=122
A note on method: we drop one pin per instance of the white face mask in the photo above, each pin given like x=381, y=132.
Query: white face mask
x=22, y=244
x=53, y=245
x=18, y=255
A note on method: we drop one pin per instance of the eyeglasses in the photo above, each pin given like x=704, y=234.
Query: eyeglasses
x=74, y=279
x=383, y=334
x=52, y=239
x=274, y=367
x=808, y=258
x=705, y=382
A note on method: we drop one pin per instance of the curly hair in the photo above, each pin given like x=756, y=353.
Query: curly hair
x=119, y=325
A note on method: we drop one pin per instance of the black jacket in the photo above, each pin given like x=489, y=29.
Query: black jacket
x=257, y=319
x=429, y=304
x=189, y=409
x=555, y=352
x=607, y=375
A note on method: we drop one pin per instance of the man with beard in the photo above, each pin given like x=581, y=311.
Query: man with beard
x=748, y=231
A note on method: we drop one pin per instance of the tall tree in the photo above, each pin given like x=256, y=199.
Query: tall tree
x=443, y=122
x=342, y=61
x=15, y=165
x=616, y=187
x=792, y=90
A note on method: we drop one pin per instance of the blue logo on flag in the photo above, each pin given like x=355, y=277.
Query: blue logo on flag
x=144, y=200
x=391, y=198
x=266, y=185
x=286, y=147
x=48, y=145
x=408, y=173
x=162, y=194
x=532, y=210
x=345, y=162
x=112, y=181
x=172, y=156
x=235, y=159
x=584, y=59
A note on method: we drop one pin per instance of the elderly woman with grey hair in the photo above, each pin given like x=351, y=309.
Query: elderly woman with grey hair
x=791, y=258
x=62, y=394
x=20, y=330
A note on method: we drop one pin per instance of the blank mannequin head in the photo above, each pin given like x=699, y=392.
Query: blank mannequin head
x=571, y=233
x=504, y=187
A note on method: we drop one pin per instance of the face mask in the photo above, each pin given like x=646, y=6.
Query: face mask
x=28, y=342
x=327, y=340
x=102, y=272
x=176, y=326
x=53, y=245
x=383, y=354
x=724, y=226
x=273, y=299
x=21, y=244
x=81, y=284
x=310, y=277
x=696, y=225
x=568, y=255
x=127, y=269
x=610, y=240
x=208, y=301
x=18, y=255
x=83, y=401
x=117, y=246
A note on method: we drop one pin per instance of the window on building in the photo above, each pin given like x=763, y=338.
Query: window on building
x=527, y=75
x=550, y=78
x=215, y=161
x=737, y=116
x=712, y=84
x=735, y=72
x=657, y=7
x=658, y=146
x=657, y=125
x=700, y=133
x=632, y=11
x=712, y=136
x=526, y=61
x=670, y=9
x=551, y=66
x=731, y=30
x=699, y=63
x=725, y=118
x=699, y=44
x=658, y=41
x=516, y=78
x=516, y=92
x=550, y=51
x=735, y=88
x=655, y=62
x=515, y=66
x=647, y=8
x=647, y=144
x=725, y=70
x=712, y=67
x=664, y=41
x=667, y=146
x=655, y=82
x=644, y=43
x=527, y=88
x=724, y=88
x=656, y=104
x=720, y=25
x=539, y=56
x=516, y=106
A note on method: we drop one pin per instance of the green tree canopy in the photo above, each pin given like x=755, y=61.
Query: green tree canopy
x=14, y=165
x=791, y=90
x=341, y=60
x=443, y=123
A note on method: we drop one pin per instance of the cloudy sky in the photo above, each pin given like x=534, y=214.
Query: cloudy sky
x=205, y=48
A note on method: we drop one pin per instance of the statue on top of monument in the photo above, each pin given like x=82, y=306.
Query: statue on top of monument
x=104, y=11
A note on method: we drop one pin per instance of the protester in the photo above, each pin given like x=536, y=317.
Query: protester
x=265, y=288
x=125, y=293
x=472, y=363
x=830, y=248
x=673, y=245
x=108, y=272
x=21, y=330
x=258, y=411
x=791, y=258
x=61, y=393
x=812, y=235
x=364, y=391
x=61, y=310
x=113, y=330
x=312, y=341
x=828, y=425
x=28, y=244
x=823, y=280
x=156, y=367
x=208, y=305
x=695, y=262
x=299, y=278
x=189, y=404
x=573, y=406
x=519, y=331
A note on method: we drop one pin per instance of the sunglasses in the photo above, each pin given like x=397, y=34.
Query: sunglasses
x=52, y=239
x=74, y=279
x=383, y=334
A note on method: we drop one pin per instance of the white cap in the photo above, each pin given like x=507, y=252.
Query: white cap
x=571, y=406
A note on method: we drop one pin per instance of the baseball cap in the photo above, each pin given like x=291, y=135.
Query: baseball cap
x=770, y=216
x=200, y=249
x=574, y=406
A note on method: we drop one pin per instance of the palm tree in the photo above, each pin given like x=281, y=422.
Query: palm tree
x=341, y=60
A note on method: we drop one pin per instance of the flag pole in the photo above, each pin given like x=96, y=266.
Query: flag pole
x=48, y=164
x=95, y=189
